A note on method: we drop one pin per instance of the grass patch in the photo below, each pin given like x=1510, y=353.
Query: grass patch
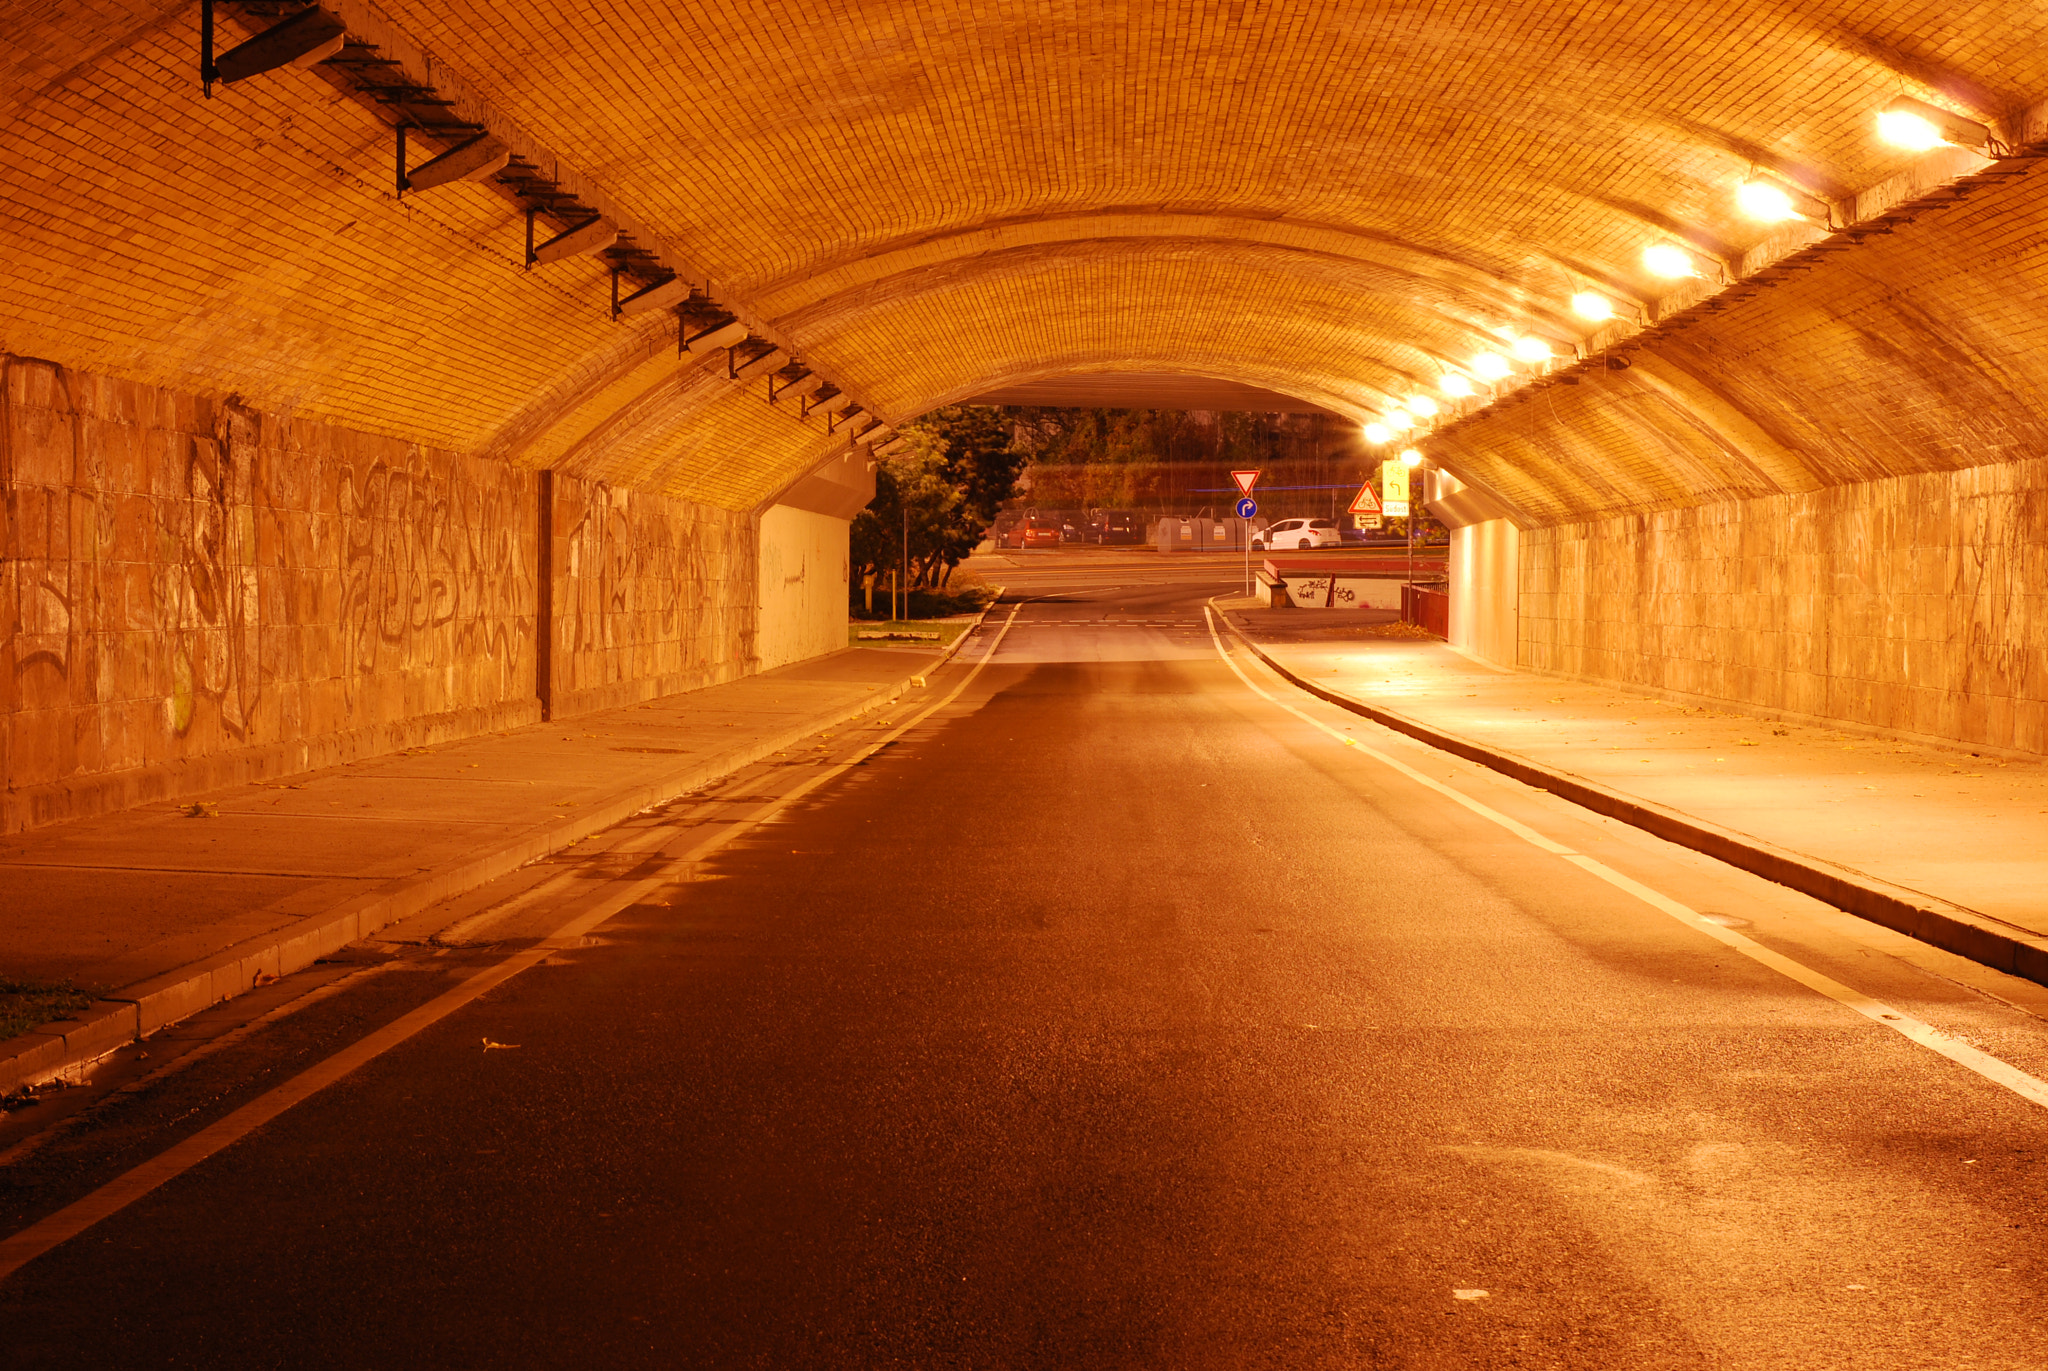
x=947, y=632
x=967, y=594
x=27, y=1004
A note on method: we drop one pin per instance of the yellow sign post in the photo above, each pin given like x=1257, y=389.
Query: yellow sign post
x=1394, y=488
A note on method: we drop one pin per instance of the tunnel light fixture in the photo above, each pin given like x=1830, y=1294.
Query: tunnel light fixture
x=1411, y=458
x=1531, y=349
x=1421, y=406
x=1668, y=260
x=1378, y=433
x=1918, y=126
x=1592, y=305
x=1491, y=366
x=1456, y=386
x=1399, y=420
x=1772, y=200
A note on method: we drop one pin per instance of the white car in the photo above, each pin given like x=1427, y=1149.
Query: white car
x=1299, y=533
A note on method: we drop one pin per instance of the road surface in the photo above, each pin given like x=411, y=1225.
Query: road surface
x=1125, y=1012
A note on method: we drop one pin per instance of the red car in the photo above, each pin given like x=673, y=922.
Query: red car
x=1039, y=531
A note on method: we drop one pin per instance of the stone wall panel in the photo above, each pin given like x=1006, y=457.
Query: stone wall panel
x=652, y=595
x=1910, y=604
x=196, y=593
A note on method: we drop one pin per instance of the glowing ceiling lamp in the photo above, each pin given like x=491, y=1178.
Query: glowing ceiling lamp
x=1773, y=201
x=1378, y=433
x=1421, y=406
x=1918, y=126
x=1668, y=260
x=1456, y=386
x=1531, y=349
x=1491, y=366
x=1588, y=305
x=1410, y=457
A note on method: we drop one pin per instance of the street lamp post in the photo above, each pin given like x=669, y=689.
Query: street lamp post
x=1413, y=461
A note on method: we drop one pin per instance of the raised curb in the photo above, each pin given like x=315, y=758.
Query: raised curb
x=141, y=1009
x=1951, y=927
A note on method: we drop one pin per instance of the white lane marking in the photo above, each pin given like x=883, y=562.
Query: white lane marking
x=1929, y=1037
x=1994, y=1069
x=31, y=1242
x=1520, y=830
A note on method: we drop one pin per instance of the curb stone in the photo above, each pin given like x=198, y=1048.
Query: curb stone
x=56, y=1049
x=1952, y=927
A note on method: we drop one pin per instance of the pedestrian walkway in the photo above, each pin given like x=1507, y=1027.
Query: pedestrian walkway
x=1964, y=828
x=172, y=906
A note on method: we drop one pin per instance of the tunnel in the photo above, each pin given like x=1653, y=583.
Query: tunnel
x=384, y=380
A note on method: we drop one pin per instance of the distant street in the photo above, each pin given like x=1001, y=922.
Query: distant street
x=1115, y=1016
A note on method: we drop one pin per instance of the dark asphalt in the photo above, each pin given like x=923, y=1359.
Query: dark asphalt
x=1113, y=1018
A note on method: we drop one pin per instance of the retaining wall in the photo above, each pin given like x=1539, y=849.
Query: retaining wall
x=1917, y=604
x=195, y=594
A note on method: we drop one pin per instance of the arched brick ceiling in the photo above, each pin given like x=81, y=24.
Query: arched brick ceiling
x=799, y=151
x=927, y=201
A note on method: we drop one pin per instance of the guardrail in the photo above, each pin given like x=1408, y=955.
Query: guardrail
x=1427, y=608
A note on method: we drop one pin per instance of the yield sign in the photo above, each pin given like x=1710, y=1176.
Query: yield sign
x=1245, y=480
x=1367, y=502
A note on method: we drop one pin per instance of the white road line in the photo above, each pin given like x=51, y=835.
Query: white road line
x=1994, y=1069
x=31, y=1242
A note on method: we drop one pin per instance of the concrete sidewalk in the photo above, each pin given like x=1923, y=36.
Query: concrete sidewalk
x=1961, y=829
x=165, y=909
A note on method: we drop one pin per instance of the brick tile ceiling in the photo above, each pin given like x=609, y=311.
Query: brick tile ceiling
x=1444, y=166
x=936, y=200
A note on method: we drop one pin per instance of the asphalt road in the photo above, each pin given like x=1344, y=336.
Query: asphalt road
x=1115, y=1016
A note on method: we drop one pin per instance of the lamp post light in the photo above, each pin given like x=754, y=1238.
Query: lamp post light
x=1412, y=460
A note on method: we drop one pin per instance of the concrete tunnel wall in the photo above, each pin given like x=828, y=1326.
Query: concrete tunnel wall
x=281, y=441
x=1821, y=494
x=198, y=594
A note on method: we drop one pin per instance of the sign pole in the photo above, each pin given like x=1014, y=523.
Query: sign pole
x=1246, y=509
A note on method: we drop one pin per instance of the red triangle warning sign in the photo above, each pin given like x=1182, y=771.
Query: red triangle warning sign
x=1245, y=480
x=1367, y=502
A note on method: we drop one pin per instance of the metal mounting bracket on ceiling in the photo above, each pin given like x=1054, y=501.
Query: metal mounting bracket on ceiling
x=472, y=159
x=591, y=235
x=663, y=293
x=310, y=36
x=727, y=334
x=774, y=393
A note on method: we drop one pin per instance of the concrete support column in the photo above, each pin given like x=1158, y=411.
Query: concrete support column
x=1485, y=591
x=1484, y=569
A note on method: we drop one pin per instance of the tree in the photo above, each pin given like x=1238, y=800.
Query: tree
x=956, y=468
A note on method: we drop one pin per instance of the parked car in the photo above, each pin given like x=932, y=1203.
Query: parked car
x=1299, y=533
x=1038, y=530
x=1115, y=527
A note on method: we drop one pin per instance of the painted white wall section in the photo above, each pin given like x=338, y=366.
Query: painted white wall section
x=803, y=585
x=1484, y=569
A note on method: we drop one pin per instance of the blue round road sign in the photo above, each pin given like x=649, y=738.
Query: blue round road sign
x=1247, y=507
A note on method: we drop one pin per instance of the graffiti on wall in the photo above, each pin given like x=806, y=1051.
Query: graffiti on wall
x=193, y=576
x=650, y=587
